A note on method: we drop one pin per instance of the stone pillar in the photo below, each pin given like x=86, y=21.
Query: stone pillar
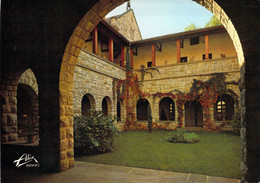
x=250, y=119
x=176, y=111
x=184, y=119
x=9, y=107
x=123, y=111
x=155, y=108
x=211, y=113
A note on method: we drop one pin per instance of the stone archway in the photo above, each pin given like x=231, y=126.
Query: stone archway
x=87, y=105
x=76, y=41
x=9, y=95
x=101, y=8
x=27, y=111
x=141, y=109
x=193, y=114
x=224, y=108
x=166, y=109
x=106, y=106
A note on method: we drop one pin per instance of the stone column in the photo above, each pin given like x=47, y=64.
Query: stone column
x=9, y=107
x=211, y=113
x=155, y=108
x=250, y=114
x=176, y=112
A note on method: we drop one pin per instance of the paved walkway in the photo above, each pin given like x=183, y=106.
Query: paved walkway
x=98, y=173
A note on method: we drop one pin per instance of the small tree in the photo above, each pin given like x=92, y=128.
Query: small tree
x=190, y=27
x=213, y=22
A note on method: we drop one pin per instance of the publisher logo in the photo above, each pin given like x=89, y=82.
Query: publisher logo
x=28, y=160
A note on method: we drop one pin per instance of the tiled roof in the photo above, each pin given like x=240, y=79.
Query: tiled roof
x=179, y=34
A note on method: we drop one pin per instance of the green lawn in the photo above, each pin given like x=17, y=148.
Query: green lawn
x=217, y=154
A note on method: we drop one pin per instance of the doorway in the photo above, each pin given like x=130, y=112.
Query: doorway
x=193, y=114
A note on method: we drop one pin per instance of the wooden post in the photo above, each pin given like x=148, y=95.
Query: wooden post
x=178, y=42
x=122, y=56
x=111, y=50
x=153, y=54
x=132, y=58
x=95, y=40
x=206, y=47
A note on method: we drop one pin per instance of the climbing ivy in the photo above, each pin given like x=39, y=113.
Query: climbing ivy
x=204, y=92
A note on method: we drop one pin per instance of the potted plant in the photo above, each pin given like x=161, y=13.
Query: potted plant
x=29, y=129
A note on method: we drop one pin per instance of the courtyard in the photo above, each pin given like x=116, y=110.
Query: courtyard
x=62, y=60
x=217, y=154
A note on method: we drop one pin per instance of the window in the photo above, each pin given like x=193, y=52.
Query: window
x=224, y=108
x=194, y=40
x=184, y=59
x=210, y=56
x=182, y=43
x=149, y=64
x=221, y=110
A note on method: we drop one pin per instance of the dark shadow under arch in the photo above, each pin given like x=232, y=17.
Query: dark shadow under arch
x=87, y=105
x=193, y=114
x=167, y=109
x=27, y=111
x=141, y=109
x=106, y=106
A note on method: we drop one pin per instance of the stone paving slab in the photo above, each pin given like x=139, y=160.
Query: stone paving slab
x=84, y=172
x=197, y=178
x=174, y=176
x=114, y=168
x=148, y=172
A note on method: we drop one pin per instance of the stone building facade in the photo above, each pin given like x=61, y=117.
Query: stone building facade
x=126, y=24
x=166, y=79
x=49, y=42
x=168, y=63
x=102, y=73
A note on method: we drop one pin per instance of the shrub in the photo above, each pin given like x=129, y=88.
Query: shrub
x=237, y=121
x=94, y=134
x=181, y=136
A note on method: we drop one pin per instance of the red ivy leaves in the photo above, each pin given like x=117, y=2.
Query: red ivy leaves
x=205, y=93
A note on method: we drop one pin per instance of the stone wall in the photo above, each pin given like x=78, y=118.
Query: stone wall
x=29, y=79
x=180, y=76
x=94, y=75
x=127, y=25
